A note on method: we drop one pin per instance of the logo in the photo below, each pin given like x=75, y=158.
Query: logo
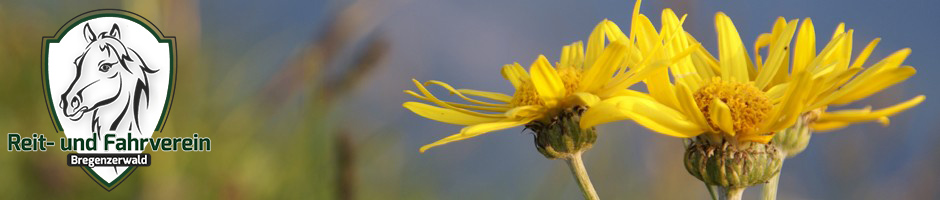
x=108, y=77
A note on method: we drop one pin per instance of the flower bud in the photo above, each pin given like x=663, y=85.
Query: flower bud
x=562, y=136
x=732, y=164
x=794, y=139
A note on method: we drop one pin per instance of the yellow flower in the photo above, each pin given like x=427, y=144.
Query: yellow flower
x=579, y=79
x=724, y=98
x=735, y=98
x=832, y=71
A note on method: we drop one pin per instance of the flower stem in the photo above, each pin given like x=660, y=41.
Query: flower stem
x=769, y=191
x=580, y=174
x=730, y=193
x=711, y=192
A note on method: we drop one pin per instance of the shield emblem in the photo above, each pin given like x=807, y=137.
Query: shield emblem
x=108, y=72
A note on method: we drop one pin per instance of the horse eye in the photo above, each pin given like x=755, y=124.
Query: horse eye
x=105, y=67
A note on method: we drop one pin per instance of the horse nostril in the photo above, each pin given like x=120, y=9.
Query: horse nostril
x=75, y=102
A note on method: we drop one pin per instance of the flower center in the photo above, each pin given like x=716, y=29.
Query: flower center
x=527, y=95
x=749, y=105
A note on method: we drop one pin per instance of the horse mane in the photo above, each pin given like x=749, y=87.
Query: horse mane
x=142, y=86
x=129, y=57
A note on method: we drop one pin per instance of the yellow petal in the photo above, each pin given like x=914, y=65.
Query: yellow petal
x=662, y=119
x=603, y=112
x=891, y=62
x=565, y=58
x=634, y=18
x=779, y=25
x=623, y=81
x=586, y=99
x=659, y=87
x=645, y=35
x=670, y=22
x=460, y=105
x=783, y=72
x=863, y=56
x=603, y=69
x=653, y=43
x=448, y=139
x=805, y=49
x=515, y=74
x=632, y=93
x=684, y=71
x=843, y=55
x=547, y=82
x=446, y=115
x=522, y=112
x=767, y=39
x=763, y=40
x=833, y=82
x=720, y=114
x=776, y=56
x=836, y=55
x=475, y=130
x=658, y=82
x=732, y=56
x=595, y=44
x=881, y=75
x=852, y=116
x=828, y=126
x=648, y=113
x=826, y=54
x=687, y=101
x=430, y=97
x=789, y=109
x=613, y=32
x=706, y=64
x=486, y=94
x=876, y=84
x=756, y=138
x=776, y=92
x=460, y=94
x=572, y=56
x=839, y=30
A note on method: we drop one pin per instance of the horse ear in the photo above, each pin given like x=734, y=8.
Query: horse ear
x=115, y=32
x=89, y=34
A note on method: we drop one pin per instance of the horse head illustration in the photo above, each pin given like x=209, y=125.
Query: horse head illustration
x=110, y=83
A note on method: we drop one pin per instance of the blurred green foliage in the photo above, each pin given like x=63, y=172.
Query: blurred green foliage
x=278, y=142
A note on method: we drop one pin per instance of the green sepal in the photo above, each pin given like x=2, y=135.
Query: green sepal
x=562, y=135
x=732, y=164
